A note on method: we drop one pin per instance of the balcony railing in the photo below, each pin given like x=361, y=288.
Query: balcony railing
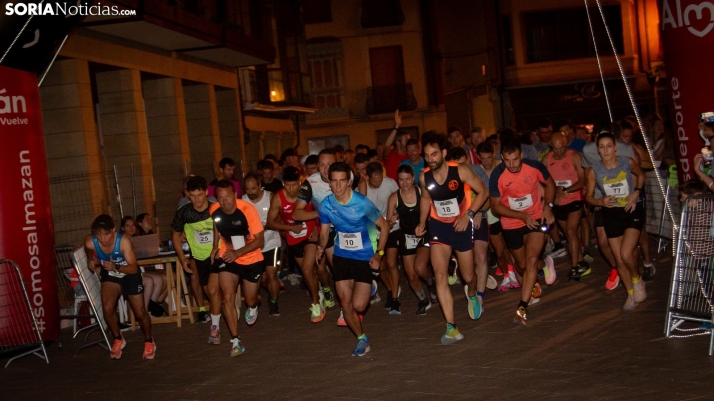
x=386, y=99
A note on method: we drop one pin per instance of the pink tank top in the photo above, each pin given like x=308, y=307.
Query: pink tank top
x=565, y=175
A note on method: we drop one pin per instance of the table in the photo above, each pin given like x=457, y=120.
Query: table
x=175, y=282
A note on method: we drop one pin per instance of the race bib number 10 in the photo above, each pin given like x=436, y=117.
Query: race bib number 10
x=351, y=241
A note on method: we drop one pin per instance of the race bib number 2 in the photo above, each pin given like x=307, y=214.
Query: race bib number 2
x=447, y=208
x=351, y=241
x=520, y=203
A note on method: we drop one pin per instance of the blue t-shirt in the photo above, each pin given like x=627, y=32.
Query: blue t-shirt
x=418, y=168
x=577, y=144
x=356, y=234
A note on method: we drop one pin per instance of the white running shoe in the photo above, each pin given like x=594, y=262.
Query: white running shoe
x=491, y=282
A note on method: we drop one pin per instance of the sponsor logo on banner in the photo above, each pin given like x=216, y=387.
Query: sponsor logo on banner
x=683, y=16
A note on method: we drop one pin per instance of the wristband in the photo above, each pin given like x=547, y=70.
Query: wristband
x=565, y=191
x=380, y=253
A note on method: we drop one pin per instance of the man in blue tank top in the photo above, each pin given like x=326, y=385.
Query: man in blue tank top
x=356, y=253
x=111, y=256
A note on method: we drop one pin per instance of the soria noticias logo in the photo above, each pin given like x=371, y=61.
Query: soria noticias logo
x=65, y=9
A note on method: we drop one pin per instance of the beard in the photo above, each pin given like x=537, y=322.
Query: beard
x=252, y=196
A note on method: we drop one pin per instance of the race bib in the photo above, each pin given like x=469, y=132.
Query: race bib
x=238, y=241
x=300, y=234
x=203, y=237
x=447, y=208
x=520, y=203
x=617, y=189
x=412, y=241
x=351, y=241
x=564, y=183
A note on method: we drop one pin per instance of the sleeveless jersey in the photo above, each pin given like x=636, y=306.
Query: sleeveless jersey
x=408, y=215
x=115, y=256
x=272, y=238
x=449, y=200
x=564, y=174
x=616, y=181
x=286, y=214
x=519, y=191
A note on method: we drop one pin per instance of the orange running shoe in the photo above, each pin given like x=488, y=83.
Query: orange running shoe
x=118, y=345
x=149, y=349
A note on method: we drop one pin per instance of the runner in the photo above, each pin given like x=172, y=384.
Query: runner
x=622, y=212
x=355, y=253
x=626, y=134
x=545, y=130
x=590, y=157
x=301, y=236
x=403, y=209
x=261, y=200
x=194, y=220
x=313, y=190
x=112, y=258
x=415, y=161
x=445, y=195
x=565, y=166
x=397, y=155
x=228, y=168
x=504, y=260
x=238, y=235
x=268, y=181
x=379, y=189
x=515, y=196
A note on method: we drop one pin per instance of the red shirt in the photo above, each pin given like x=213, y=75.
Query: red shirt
x=519, y=191
x=391, y=164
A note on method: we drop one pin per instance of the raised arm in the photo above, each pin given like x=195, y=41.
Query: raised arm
x=393, y=134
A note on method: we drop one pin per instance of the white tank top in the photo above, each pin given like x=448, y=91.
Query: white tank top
x=272, y=238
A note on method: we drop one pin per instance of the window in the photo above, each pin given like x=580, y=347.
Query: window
x=317, y=11
x=315, y=145
x=389, y=90
x=325, y=62
x=565, y=34
x=380, y=13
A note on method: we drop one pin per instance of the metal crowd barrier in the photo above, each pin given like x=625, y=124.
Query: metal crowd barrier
x=19, y=334
x=690, y=310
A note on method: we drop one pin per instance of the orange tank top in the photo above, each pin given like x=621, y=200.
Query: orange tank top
x=564, y=174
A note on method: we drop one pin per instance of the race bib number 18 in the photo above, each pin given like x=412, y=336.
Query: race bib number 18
x=447, y=208
x=351, y=241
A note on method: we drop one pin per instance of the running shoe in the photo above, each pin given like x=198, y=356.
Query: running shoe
x=149, y=349
x=613, y=279
x=215, y=337
x=451, y=335
x=395, y=309
x=117, y=346
x=376, y=298
x=318, y=313
x=648, y=274
x=491, y=282
x=505, y=284
x=536, y=293
x=374, y=288
x=362, y=347
x=453, y=266
x=557, y=253
x=294, y=279
x=237, y=347
x=274, y=311
x=640, y=292
x=520, y=318
x=574, y=274
x=474, y=305
x=423, y=306
x=341, y=320
x=549, y=270
x=329, y=301
x=587, y=257
x=498, y=272
x=251, y=315
x=533, y=301
x=513, y=280
x=630, y=304
x=203, y=317
x=321, y=296
x=584, y=268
